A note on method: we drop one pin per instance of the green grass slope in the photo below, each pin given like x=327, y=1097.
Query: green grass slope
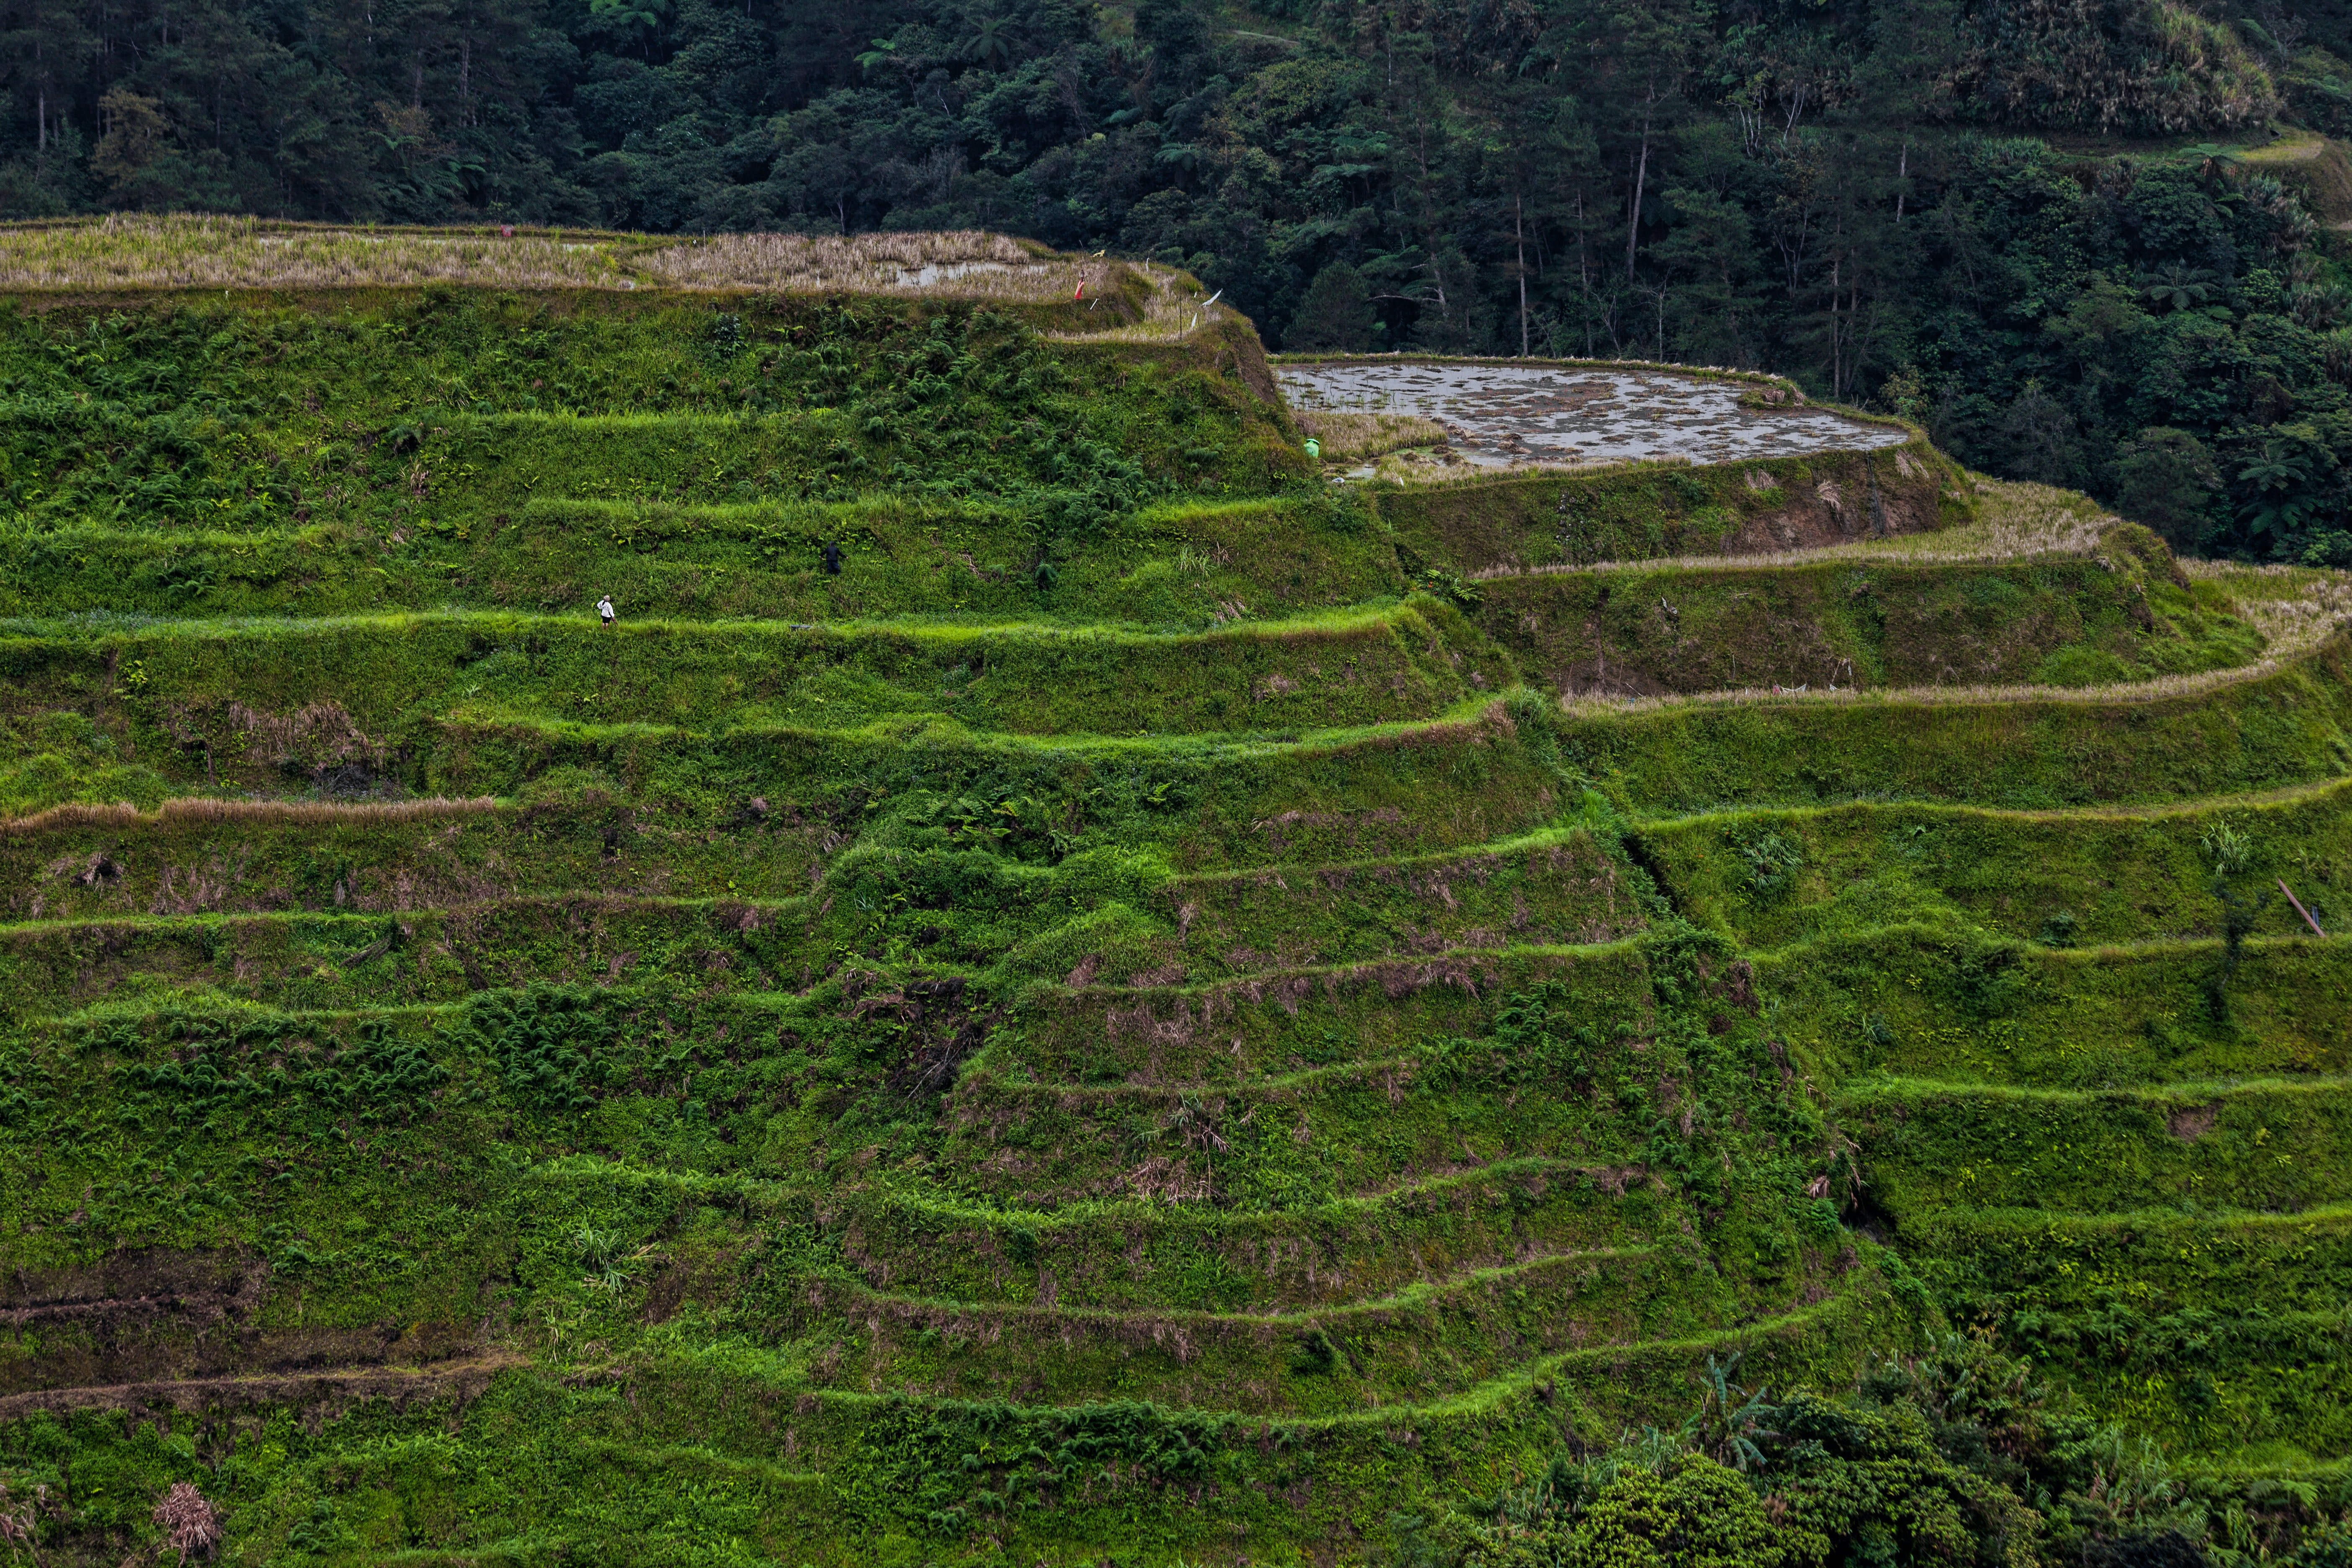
x=1171, y=1011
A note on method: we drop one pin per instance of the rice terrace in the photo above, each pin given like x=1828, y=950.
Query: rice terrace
x=1618, y=967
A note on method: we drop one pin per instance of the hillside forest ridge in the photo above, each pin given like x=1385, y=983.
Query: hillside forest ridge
x=2096, y=246
x=1371, y=784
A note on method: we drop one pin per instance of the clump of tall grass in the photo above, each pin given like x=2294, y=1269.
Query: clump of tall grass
x=2227, y=846
x=1346, y=435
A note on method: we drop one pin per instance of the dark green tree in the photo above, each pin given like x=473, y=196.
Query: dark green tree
x=2166, y=479
x=1337, y=313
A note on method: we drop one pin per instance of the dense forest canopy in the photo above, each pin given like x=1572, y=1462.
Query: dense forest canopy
x=2050, y=229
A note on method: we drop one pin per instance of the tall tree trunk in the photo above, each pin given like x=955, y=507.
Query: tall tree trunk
x=1902, y=174
x=1429, y=227
x=1837, y=352
x=1518, y=233
x=1584, y=272
x=1641, y=177
x=1738, y=342
x=1853, y=336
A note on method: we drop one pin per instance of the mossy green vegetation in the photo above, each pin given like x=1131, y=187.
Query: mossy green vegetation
x=1169, y=1012
x=2038, y=748
x=193, y=679
x=2069, y=622
x=1758, y=506
x=2061, y=878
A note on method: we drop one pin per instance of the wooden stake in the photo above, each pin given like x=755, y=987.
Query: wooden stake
x=2299, y=909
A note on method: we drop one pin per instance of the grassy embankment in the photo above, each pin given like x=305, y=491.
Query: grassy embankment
x=1130, y=1021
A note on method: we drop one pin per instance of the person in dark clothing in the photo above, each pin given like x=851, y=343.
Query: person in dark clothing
x=832, y=560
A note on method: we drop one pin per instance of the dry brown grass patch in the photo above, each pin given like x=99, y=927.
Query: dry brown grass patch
x=179, y=251
x=187, y=251
x=1350, y=436
x=963, y=262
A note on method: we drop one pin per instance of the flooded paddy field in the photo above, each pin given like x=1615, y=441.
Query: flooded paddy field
x=1510, y=416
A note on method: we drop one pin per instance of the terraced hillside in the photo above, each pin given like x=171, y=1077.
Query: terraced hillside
x=1171, y=1011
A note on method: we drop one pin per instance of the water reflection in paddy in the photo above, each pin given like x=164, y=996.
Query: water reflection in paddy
x=1501, y=414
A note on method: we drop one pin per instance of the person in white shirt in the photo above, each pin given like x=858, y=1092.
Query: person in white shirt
x=605, y=608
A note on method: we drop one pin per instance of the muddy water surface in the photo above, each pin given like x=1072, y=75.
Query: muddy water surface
x=1500, y=415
